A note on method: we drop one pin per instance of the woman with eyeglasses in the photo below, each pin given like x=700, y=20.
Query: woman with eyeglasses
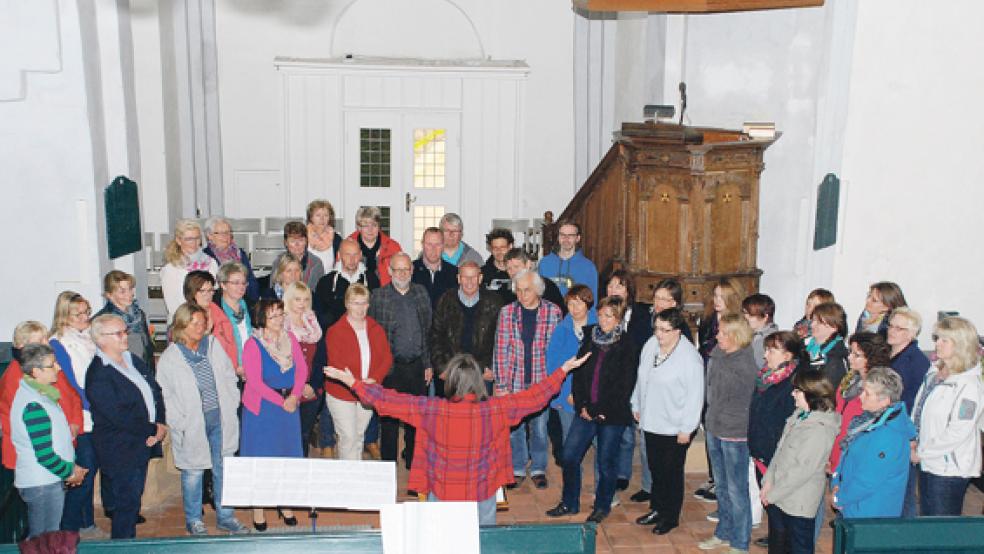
x=182, y=255
x=947, y=414
x=74, y=350
x=120, y=291
x=825, y=347
x=667, y=401
x=199, y=289
x=883, y=297
x=231, y=322
x=276, y=372
x=222, y=248
x=377, y=247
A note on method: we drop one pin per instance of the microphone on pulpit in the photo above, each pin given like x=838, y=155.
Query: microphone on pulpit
x=683, y=100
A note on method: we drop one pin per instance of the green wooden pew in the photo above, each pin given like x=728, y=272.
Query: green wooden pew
x=565, y=538
x=925, y=535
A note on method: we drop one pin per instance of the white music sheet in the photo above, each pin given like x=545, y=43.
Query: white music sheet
x=430, y=528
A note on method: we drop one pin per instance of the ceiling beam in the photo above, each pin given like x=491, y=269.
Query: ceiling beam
x=690, y=6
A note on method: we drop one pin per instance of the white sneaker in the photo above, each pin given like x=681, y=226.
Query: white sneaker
x=712, y=543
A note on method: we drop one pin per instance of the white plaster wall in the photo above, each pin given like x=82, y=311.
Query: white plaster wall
x=912, y=158
x=251, y=33
x=150, y=112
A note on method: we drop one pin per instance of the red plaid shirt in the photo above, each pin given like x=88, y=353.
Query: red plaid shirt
x=462, y=447
x=508, y=358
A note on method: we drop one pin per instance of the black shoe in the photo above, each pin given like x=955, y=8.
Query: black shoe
x=648, y=519
x=288, y=521
x=519, y=481
x=540, y=481
x=141, y=519
x=560, y=510
x=762, y=542
x=597, y=516
x=621, y=484
x=640, y=496
x=260, y=527
x=411, y=492
x=663, y=527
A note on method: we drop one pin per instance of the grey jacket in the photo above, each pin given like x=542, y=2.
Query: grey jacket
x=758, y=342
x=469, y=253
x=730, y=382
x=382, y=309
x=183, y=403
x=796, y=474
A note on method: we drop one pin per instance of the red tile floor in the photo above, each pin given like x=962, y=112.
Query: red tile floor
x=617, y=534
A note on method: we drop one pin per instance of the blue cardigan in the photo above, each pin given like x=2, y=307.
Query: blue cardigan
x=119, y=416
x=562, y=346
x=874, y=470
x=911, y=365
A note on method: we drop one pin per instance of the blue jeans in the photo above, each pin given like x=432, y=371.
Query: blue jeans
x=729, y=460
x=78, y=512
x=372, y=431
x=127, y=486
x=910, y=507
x=941, y=496
x=566, y=418
x=538, y=444
x=582, y=433
x=191, y=479
x=326, y=427
x=486, y=509
x=45, y=504
x=647, y=476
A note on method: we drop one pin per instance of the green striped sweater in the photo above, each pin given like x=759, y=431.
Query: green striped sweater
x=39, y=430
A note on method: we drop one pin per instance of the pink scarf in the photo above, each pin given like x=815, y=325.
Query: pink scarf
x=309, y=332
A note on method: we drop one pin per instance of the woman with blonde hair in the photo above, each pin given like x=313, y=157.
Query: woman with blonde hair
x=183, y=254
x=287, y=270
x=323, y=239
x=301, y=321
x=947, y=414
x=730, y=383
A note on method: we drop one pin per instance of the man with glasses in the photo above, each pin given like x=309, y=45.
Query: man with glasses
x=403, y=309
x=456, y=251
x=568, y=266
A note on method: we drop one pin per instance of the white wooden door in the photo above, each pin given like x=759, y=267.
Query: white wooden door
x=406, y=163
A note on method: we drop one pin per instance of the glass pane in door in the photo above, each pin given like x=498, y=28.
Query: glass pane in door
x=429, y=150
x=384, y=219
x=374, y=158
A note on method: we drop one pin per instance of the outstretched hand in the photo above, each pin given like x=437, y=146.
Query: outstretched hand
x=343, y=375
x=574, y=363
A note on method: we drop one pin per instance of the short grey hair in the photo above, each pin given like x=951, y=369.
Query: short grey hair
x=910, y=315
x=538, y=285
x=451, y=219
x=228, y=269
x=211, y=222
x=100, y=322
x=33, y=356
x=368, y=212
x=886, y=381
x=401, y=255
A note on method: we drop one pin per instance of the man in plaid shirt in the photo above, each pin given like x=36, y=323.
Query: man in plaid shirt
x=519, y=361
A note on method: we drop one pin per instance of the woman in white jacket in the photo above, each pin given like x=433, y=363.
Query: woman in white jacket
x=200, y=396
x=667, y=401
x=181, y=256
x=947, y=414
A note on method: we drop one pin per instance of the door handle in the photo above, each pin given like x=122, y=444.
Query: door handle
x=410, y=200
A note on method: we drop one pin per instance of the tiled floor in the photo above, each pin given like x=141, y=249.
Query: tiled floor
x=618, y=533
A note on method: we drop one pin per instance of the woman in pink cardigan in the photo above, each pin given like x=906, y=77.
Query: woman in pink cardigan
x=275, y=376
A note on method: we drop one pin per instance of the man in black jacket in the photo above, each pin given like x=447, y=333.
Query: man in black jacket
x=465, y=322
x=430, y=270
x=329, y=294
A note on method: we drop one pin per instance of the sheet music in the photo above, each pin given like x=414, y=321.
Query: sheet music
x=307, y=482
x=430, y=528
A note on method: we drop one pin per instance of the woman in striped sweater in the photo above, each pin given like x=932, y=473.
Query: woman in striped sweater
x=40, y=433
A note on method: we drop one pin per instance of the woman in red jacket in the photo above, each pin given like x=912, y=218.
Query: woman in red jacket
x=358, y=343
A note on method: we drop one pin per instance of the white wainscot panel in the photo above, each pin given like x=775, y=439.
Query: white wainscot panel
x=258, y=193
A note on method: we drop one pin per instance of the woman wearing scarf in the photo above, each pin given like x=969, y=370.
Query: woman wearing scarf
x=287, y=270
x=231, y=323
x=74, y=350
x=222, y=248
x=814, y=299
x=825, y=347
x=323, y=239
x=183, y=254
x=883, y=297
x=795, y=481
x=301, y=321
x=201, y=399
x=869, y=480
x=667, y=401
x=119, y=288
x=275, y=376
x=40, y=433
x=772, y=402
x=602, y=393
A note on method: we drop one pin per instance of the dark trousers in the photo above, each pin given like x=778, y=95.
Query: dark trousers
x=941, y=496
x=127, y=485
x=406, y=376
x=666, y=459
x=309, y=415
x=576, y=445
x=789, y=534
x=78, y=512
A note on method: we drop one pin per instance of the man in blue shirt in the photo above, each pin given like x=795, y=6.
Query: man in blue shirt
x=568, y=266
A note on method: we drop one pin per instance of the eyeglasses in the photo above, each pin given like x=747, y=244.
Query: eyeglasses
x=273, y=315
x=568, y=235
x=897, y=328
x=221, y=232
x=121, y=334
x=401, y=269
x=207, y=290
x=194, y=238
x=368, y=225
x=86, y=313
x=236, y=283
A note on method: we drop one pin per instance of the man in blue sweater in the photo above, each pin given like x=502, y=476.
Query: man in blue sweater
x=568, y=266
